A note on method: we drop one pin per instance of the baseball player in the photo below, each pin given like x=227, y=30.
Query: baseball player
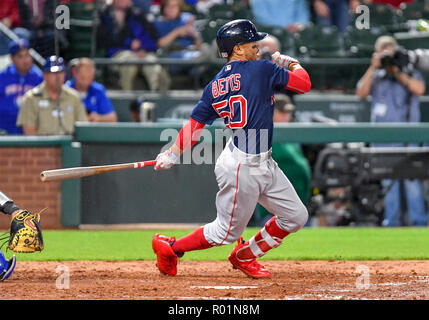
x=242, y=93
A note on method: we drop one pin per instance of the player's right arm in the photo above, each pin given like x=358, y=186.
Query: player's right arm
x=189, y=134
x=298, y=79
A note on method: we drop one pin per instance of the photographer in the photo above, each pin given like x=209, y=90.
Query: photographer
x=395, y=87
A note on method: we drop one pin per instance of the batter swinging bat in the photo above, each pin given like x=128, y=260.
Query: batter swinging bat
x=80, y=172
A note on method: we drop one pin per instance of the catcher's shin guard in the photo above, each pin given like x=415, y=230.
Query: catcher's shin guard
x=166, y=259
x=6, y=266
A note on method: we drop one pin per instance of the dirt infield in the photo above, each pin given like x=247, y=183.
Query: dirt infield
x=216, y=280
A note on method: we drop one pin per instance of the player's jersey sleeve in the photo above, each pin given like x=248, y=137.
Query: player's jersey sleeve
x=204, y=111
x=278, y=77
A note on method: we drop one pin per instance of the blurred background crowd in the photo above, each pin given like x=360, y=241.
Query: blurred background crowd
x=70, y=64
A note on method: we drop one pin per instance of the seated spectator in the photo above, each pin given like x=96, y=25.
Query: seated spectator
x=37, y=16
x=288, y=14
x=15, y=80
x=92, y=94
x=51, y=108
x=125, y=33
x=335, y=12
x=178, y=36
x=9, y=16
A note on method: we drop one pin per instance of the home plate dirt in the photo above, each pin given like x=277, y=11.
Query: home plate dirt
x=215, y=280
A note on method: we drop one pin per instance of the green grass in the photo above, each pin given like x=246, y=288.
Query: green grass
x=307, y=244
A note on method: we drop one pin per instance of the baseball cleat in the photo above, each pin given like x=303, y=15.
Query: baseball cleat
x=251, y=268
x=166, y=259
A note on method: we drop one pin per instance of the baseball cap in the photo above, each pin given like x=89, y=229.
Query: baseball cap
x=15, y=46
x=54, y=64
x=284, y=103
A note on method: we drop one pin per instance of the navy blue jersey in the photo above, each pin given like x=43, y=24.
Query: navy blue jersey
x=243, y=94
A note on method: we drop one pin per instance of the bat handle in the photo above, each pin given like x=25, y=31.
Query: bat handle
x=144, y=164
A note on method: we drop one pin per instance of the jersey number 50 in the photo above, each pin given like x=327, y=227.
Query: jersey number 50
x=235, y=106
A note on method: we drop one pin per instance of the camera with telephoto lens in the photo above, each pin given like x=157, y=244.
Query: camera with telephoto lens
x=399, y=58
x=402, y=58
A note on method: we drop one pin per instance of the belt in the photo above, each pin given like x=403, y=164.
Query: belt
x=248, y=158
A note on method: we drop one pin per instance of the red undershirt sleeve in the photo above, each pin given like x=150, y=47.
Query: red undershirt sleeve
x=189, y=134
x=299, y=81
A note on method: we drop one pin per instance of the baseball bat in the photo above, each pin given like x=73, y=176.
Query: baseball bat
x=80, y=172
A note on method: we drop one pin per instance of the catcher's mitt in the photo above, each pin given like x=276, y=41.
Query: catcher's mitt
x=25, y=232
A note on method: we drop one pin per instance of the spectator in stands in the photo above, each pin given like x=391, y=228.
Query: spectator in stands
x=15, y=81
x=289, y=157
x=51, y=108
x=178, y=36
x=37, y=16
x=335, y=12
x=125, y=33
x=9, y=17
x=92, y=94
x=291, y=15
x=395, y=92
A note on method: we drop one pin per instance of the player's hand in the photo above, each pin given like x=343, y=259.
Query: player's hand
x=283, y=60
x=166, y=160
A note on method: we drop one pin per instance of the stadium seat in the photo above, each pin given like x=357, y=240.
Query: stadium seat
x=285, y=39
x=230, y=11
x=360, y=43
x=80, y=34
x=319, y=41
x=418, y=9
x=221, y=11
x=383, y=15
x=209, y=29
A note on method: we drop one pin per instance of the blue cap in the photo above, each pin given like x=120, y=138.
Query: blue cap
x=54, y=64
x=15, y=46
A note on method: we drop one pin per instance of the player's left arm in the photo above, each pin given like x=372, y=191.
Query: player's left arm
x=299, y=80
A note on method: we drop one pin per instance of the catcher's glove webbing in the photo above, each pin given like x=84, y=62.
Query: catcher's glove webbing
x=25, y=232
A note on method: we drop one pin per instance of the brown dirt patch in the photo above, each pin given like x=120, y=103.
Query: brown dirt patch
x=214, y=280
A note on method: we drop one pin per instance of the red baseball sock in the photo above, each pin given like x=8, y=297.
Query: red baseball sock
x=193, y=241
x=269, y=237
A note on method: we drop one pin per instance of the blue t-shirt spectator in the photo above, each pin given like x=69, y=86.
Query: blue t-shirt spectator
x=115, y=37
x=280, y=13
x=13, y=86
x=164, y=27
x=96, y=99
